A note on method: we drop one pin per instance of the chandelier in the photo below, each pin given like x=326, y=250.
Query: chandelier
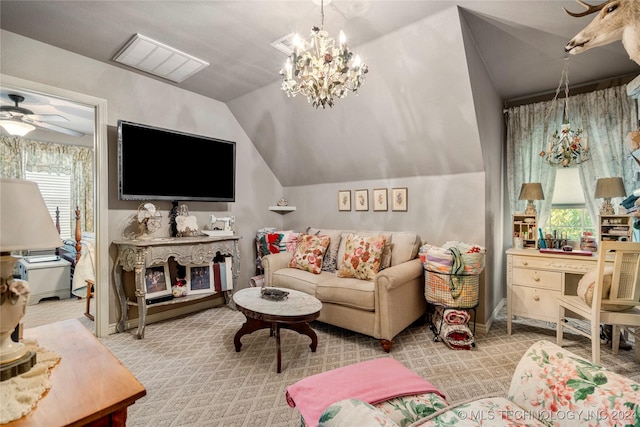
x=322, y=71
x=565, y=146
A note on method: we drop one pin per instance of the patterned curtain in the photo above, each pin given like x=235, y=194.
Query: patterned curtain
x=20, y=155
x=606, y=117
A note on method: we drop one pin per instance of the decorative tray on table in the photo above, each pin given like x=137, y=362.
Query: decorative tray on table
x=273, y=294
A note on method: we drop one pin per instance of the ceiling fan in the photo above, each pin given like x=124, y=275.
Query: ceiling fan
x=18, y=117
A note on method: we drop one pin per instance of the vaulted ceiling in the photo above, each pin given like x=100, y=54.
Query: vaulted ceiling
x=412, y=115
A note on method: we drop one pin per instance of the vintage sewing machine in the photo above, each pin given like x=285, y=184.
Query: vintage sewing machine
x=220, y=226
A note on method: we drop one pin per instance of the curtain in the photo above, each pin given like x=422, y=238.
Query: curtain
x=20, y=155
x=606, y=117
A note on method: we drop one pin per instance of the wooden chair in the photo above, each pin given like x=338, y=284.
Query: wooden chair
x=91, y=289
x=625, y=291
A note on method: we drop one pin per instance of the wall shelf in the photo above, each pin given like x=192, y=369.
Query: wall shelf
x=282, y=209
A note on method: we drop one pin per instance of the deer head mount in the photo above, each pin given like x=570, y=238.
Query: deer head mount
x=616, y=20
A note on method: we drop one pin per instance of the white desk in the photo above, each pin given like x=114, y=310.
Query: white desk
x=535, y=280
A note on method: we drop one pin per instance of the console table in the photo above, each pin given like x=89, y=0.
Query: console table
x=89, y=387
x=535, y=280
x=137, y=255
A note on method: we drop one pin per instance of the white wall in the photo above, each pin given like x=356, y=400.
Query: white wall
x=136, y=98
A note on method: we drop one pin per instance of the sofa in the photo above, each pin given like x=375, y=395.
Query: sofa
x=550, y=387
x=381, y=306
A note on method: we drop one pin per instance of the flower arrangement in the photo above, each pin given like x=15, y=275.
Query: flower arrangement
x=567, y=146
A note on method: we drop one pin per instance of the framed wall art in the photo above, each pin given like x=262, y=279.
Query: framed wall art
x=157, y=281
x=344, y=200
x=200, y=278
x=361, y=198
x=399, y=199
x=380, y=199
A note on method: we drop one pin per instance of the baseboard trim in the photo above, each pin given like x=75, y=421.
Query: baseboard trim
x=165, y=315
x=483, y=328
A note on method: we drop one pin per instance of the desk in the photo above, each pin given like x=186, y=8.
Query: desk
x=88, y=387
x=535, y=280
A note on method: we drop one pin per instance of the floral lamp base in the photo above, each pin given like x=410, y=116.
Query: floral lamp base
x=14, y=294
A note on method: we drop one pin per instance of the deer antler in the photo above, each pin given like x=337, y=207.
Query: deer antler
x=590, y=8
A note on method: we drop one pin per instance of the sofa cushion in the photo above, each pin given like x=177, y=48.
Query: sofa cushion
x=347, y=291
x=309, y=253
x=550, y=380
x=405, y=247
x=329, y=262
x=362, y=256
x=300, y=280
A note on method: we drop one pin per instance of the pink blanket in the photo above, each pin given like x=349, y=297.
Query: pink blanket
x=372, y=381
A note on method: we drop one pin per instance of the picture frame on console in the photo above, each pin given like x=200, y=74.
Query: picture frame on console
x=361, y=200
x=157, y=281
x=399, y=199
x=380, y=203
x=200, y=278
x=344, y=200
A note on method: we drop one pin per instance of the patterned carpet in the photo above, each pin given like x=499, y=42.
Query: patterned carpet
x=194, y=377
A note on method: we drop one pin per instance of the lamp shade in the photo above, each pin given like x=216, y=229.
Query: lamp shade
x=25, y=222
x=531, y=191
x=610, y=187
x=16, y=128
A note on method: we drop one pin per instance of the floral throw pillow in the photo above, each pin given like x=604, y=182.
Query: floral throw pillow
x=309, y=252
x=362, y=258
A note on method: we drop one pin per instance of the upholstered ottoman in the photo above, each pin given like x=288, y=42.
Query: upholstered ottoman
x=386, y=383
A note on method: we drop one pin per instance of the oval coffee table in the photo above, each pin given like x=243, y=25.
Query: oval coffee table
x=293, y=313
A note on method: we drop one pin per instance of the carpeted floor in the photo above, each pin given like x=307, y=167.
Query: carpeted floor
x=194, y=377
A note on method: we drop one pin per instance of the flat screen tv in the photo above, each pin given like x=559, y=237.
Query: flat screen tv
x=162, y=164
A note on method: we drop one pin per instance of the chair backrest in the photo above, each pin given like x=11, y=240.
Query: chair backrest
x=625, y=282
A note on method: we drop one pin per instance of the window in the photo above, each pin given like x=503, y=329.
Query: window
x=569, y=221
x=569, y=214
x=56, y=192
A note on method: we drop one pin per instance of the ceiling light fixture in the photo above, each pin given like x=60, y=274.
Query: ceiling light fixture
x=565, y=146
x=322, y=71
x=16, y=128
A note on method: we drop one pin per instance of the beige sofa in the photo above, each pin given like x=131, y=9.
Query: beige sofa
x=381, y=308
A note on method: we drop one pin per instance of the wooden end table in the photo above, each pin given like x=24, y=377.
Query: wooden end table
x=89, y=387
x=293, y=313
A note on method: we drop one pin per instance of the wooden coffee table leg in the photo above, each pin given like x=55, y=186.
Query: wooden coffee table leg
x=251, y=325
x=304, y=329
x=276, y=328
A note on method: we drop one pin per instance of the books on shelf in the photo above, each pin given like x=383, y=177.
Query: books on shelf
x=223, y=275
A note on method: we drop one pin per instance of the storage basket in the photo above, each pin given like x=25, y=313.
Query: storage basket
x=450, y=290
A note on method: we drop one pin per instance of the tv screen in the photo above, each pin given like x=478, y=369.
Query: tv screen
x=162, y=164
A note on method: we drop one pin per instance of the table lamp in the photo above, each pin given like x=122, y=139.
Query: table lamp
x=531, y=191
x=606, y=188
x=25, y=223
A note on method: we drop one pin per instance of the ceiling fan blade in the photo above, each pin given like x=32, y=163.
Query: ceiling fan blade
x=48, y=117
x=55, y=128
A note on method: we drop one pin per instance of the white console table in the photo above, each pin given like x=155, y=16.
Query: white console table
x=137, y=255
x=535, y=280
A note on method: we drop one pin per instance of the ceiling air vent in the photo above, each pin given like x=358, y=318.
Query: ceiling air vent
x=155, y=58
x=285, y=44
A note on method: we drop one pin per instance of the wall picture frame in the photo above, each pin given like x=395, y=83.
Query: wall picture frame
x=157, y=281
x=344, y=200
x=361, y=200
x=379, y=200
x=399, y=201
x=200, y=278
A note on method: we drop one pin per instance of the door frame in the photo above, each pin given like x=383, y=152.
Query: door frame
x=101, y=186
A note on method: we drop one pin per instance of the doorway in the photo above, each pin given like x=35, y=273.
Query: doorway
x=100, y=187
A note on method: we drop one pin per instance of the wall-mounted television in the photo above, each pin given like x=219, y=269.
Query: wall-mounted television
x=162, y=164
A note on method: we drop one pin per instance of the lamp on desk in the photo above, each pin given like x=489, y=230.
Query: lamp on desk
x=606, y=188
x=531, y=191
x=25, y=223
